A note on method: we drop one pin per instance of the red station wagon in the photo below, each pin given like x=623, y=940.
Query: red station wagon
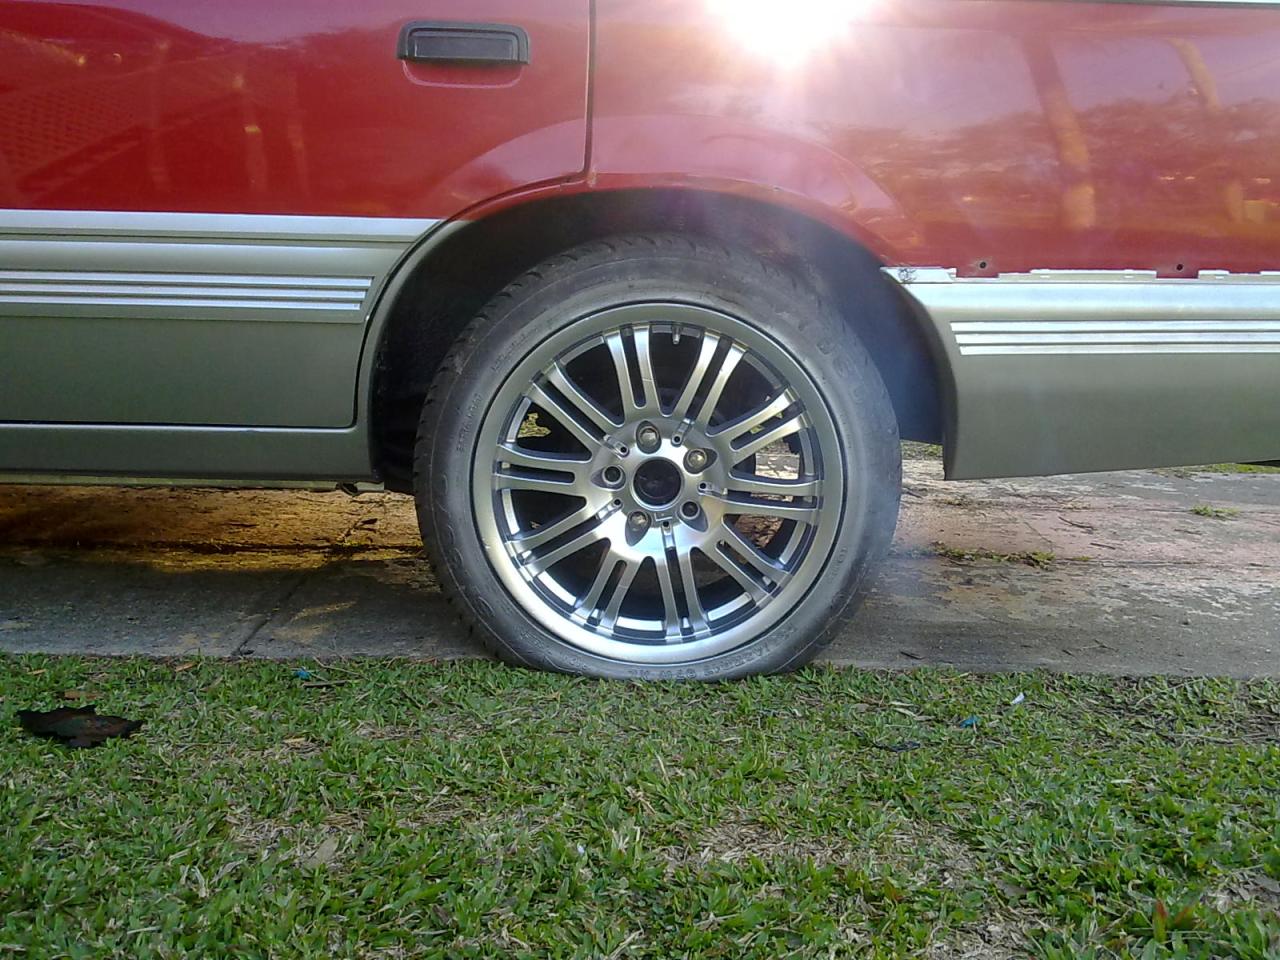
x=637, y=297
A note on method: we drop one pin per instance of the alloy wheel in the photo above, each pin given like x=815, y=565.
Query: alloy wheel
x=658, y=483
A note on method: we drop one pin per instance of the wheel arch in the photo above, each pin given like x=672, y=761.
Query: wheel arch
x=449, y=276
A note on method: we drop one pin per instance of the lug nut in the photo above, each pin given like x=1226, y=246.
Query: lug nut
x=648, y=438
x=612, y=475
x=688, y=509
x=695, y=461
x=638, y=520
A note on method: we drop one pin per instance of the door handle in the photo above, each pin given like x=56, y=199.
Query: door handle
x=444, y=41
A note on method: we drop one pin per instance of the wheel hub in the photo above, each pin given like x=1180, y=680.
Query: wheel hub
x=658, y=482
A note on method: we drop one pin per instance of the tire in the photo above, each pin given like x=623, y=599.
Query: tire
x=671, y=534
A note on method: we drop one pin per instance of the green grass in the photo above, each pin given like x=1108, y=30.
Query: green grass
x=414, y=810
x=1220, y=468
x=1041, y=559
x=1215, y=513
x=1237, y=468
x=914, y=450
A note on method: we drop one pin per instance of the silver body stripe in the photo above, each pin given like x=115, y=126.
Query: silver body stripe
x=196, y=279
x=1061, y=313
x=184, y=290
x=220, y=304
x=1116, y=326
x=1126, y=348
x=197, y=265
x=239, y=226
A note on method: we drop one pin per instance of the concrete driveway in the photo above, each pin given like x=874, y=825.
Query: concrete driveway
x=1104, y=573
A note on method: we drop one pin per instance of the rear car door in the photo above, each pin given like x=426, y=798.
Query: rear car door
x=200, y=202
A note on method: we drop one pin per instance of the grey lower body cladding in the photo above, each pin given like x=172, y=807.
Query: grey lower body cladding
x=184, y=344
x=228, y=346
x=166, y=318
x=1061, y=371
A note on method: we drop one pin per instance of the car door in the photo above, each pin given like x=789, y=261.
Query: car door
x=200, y=202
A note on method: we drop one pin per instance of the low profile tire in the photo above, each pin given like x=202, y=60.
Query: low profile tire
x=657, y=457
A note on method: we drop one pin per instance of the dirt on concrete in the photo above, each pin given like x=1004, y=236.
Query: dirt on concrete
x=1111, y=573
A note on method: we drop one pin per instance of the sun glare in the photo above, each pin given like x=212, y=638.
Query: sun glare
x=786, y=31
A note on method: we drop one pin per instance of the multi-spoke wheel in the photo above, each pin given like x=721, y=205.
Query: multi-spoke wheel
x=654, y=457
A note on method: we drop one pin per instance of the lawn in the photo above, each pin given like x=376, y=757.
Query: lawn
x=401, y=809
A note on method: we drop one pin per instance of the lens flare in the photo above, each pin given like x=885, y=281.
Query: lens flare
x=788, y=32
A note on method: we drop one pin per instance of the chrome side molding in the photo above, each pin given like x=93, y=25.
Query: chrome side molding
x=1071, y=312
x=230, y=291
x=200, y=266
x=242, y=226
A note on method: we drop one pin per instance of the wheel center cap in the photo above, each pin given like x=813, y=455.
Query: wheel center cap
x=658, y=482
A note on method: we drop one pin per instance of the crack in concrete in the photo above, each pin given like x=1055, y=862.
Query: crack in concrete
x=335, y=549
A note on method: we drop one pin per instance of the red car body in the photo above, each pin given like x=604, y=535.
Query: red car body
x=990, y=135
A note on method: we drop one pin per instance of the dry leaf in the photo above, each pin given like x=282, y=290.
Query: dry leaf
x=78, y=726
x=324, y=854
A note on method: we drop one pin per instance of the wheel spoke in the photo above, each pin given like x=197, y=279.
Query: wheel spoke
x=755, y=591
x=759, y=561
x=706, y=351
x=583, y=403
x=622, y=369
x=644, y=359
x=517, y=456
x=539, y=484
x=533, y=539
x=670, y=612
x=769, y=486
x=564, y=416
x=735, y=428
x=762, y=440
x=549, y=559
x=727, y=366
x=586, y=604
x=782, y=509
x=629, y=571
x=697, y=615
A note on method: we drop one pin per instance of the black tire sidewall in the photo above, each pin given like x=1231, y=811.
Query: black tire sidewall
x=658, y=270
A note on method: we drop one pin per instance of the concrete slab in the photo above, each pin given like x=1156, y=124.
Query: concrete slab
x=1105, y=573
x=113, y=605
